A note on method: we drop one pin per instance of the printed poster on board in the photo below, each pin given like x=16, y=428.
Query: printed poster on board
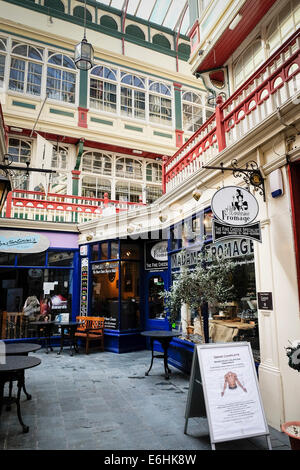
x=233, y=402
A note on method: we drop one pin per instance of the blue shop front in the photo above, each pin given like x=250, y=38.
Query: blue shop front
x=122, y=279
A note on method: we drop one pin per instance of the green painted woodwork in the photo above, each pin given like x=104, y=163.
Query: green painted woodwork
x=78, y=161
x=102, y=121
x=178, y=112
x=161, y=41
x=79, y=12
x=162, y=134
x=133, y=128
x=23, y=105
x=61, y=112
x=83, y=88
x=56, y=4
x=108, y=22
x=135, y=31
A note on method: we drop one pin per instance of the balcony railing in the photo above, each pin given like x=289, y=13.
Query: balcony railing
x=274, y=83
x=34, y=205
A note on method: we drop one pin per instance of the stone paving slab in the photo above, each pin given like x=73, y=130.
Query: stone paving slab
x=104, y=401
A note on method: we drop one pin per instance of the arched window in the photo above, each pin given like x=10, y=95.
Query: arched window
x=129, y=168
x=161, y=41
x=133, y=96
x=97, y=162
x=20, y=150
x=184, y=49
x=108, y=22
x=248, y=62
x=135, y=31
x=91, y=186
x=55, y=4
x=103, y=89
x=126, y=191
x=194, y=111
x=154, y=172
x=61, y=77
x=79, y=12
x=283, y=25
x=160, y=103
x=26, y=68
x=3, y=45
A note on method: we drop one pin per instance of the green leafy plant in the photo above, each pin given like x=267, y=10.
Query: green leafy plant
x=207, y=282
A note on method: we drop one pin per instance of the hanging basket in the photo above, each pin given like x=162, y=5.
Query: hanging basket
x=292, y=429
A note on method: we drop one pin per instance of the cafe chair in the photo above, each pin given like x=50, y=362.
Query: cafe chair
x=91, y=329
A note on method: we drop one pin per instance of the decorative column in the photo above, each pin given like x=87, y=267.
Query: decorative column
x=82, y=108
x=178, y=114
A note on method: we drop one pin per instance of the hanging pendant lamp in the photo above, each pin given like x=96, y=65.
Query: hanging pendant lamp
x=84, y=52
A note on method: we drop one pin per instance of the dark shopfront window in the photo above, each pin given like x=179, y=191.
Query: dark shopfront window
x=116, y=284
x=24, y=278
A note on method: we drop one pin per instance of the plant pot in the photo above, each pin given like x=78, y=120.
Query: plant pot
x=289, y=428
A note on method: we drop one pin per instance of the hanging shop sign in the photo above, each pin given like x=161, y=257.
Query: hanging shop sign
x=224, y=389
x=233, y=205
x=231, y=248
x=156, y=255
x=22, y=242
x=222, y=231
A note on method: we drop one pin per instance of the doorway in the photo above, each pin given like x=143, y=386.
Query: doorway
x=155, y=315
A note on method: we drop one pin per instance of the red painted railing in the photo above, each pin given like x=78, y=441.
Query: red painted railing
x=276, y=81
x=61, y=207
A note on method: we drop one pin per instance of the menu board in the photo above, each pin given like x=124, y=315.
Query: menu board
x=233, y=402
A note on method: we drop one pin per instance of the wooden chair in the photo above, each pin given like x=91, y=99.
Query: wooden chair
x=92, y=329
x=14, y=325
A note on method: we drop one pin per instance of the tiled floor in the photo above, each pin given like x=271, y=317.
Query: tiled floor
x=104, y=401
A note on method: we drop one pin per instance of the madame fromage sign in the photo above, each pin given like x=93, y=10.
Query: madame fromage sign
x=22, y=242
x=233, y=205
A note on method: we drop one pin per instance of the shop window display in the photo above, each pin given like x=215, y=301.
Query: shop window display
x=34, y=287
x=237, y=318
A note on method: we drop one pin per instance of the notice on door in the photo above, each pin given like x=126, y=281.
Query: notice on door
x=232, y=397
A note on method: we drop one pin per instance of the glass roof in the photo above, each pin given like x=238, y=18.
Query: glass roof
x=168, y=13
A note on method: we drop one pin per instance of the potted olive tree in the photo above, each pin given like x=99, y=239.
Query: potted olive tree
x=206, y=283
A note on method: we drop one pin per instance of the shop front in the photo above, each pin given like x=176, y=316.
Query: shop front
x=38, y=280
x=124, y=279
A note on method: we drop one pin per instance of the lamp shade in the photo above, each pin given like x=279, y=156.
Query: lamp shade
x=84, y=55
x=5, y=187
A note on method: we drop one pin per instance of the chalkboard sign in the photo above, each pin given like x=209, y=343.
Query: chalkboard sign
x=224, y=388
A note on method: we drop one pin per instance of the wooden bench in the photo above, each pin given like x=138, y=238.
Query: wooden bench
x=92, y=329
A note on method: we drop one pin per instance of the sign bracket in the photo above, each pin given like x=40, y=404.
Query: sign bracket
x=251, y=174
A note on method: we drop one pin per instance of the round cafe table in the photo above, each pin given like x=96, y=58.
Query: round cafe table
x=13, y=369
x=20, y=349
x=165, y=338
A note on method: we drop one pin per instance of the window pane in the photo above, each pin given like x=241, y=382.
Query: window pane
x=17, y=75
x=2, y=68
x=27, y=259
x=60, y=258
